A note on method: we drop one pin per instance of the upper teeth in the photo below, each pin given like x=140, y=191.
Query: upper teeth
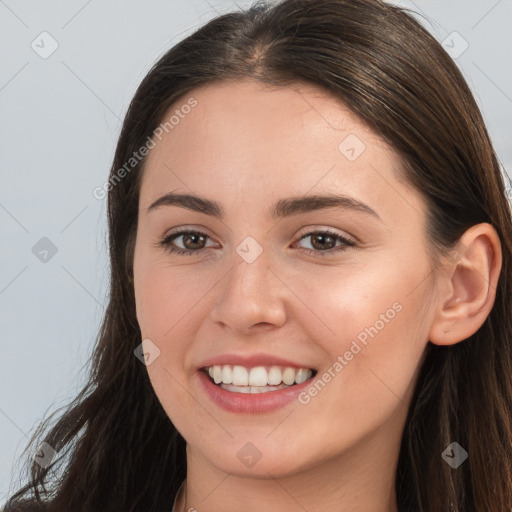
x=259, y=375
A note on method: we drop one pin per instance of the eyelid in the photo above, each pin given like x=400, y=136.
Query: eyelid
x=308, y=230
x=186, y=228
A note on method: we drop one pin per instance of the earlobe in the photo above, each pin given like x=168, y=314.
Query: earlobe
x=468, y=285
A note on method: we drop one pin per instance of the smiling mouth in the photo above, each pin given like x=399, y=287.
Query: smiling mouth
x=258, y=379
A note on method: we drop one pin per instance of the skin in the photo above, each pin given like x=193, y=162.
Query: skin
x=247, y=145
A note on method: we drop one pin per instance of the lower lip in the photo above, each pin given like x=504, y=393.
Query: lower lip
x=251, y=402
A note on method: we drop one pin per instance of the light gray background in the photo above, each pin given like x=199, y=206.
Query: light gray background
x=60, y=119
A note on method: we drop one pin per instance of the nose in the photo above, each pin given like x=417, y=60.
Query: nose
x=250, y=296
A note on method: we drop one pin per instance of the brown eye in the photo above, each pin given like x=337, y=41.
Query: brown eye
x=323, y=243
x=193, y=242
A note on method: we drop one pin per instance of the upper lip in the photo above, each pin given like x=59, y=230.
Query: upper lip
x=250, y=361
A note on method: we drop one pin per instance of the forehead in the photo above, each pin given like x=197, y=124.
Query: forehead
x=252, y=112
x=251, y=140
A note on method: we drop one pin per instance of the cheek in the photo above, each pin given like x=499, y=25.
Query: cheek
x=166, y=296
x=371, y=317
x=373, y=353
x=343, y=301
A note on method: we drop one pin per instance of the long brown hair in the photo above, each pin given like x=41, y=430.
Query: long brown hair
x=117, y=449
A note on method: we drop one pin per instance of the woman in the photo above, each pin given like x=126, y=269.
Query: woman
x=311, y=280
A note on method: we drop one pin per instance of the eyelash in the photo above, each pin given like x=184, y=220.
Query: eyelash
x=166, y=241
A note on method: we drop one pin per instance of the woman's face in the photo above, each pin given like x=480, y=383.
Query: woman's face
x=265, y=279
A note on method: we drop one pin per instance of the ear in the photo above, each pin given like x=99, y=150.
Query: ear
x=467, y=286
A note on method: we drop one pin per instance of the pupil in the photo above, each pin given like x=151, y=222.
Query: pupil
x=193, y=235
x=321, y=236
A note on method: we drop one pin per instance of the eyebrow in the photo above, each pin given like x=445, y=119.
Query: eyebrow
x=282, y=208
